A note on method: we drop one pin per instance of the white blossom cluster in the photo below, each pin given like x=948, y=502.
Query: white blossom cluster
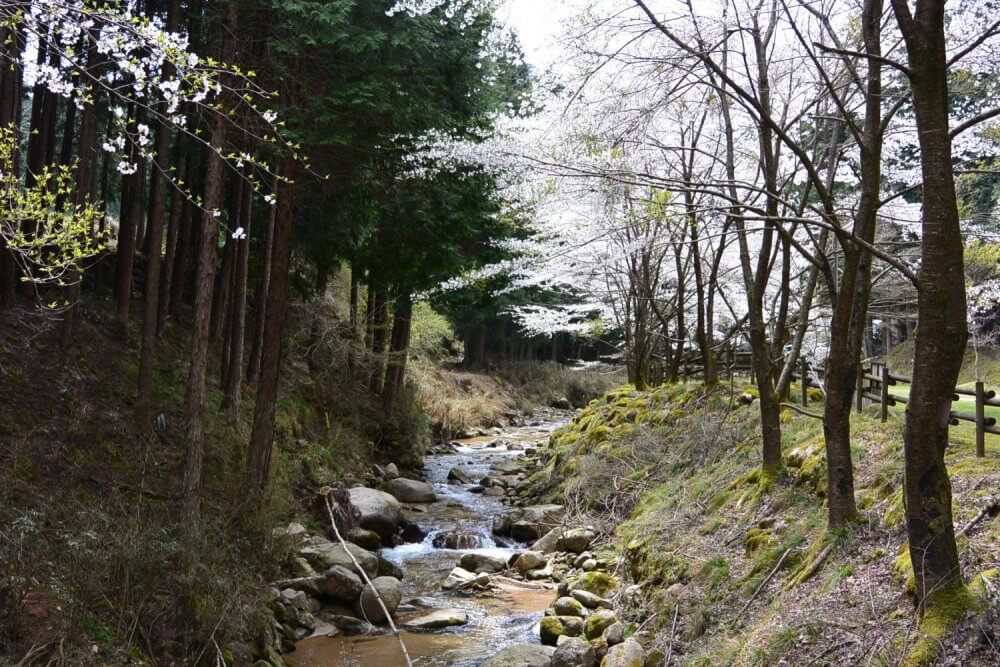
x=142, y=64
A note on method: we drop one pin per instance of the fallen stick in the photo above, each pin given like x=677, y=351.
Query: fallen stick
x=762, y=585
x=325, y=492
x=807, y=573
x=990, y=509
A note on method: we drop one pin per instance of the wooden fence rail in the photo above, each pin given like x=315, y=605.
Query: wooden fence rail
x=874, y=384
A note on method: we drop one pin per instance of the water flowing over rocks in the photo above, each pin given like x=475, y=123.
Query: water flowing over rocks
x=470, y=578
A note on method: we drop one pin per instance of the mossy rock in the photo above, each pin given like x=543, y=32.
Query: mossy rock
x=598, y=583
x=554, y=627
x=598, y=622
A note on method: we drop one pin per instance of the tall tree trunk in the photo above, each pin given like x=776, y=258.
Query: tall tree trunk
x=380, y=322
x=262, y=436
x=194, y=400
x=850, y=304
x=128, y=230
x=942, y=331
x=185, y=241
x=399, y=346
x=253, y=367
x=233, y=381
x=157, y=207
x=173, y=235
x=86, y=164
x=11, y=45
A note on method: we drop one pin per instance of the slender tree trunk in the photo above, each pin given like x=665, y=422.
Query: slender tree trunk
x=253, y=367
x=850, y=304
x=194, y=400
x=157, y=207
x=170, y=257
x=942, y=331
x=11, y=46
x=128, y=231
x=380, y=321
x=224, y=280
x=233, y=385
x=262, y=436
x=185, y=241
x=399, y=345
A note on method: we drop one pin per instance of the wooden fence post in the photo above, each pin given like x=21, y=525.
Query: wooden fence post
x=859, y=392
x=885, y=392
x=980, y=419
x=804, y=372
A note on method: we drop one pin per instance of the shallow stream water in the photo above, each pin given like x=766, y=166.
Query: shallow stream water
x=495, y=621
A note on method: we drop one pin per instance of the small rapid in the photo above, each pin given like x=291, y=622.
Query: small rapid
x=459, y=522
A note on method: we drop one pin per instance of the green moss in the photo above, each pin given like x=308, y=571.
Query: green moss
x=598, y=583
x=941, y=611
x=808, y=461
x=902, y=567
x=894, y=511
x=757, y=539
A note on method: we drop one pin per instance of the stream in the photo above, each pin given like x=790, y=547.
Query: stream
x=495, y=620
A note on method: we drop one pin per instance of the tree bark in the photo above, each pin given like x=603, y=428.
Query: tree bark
x=399, y=345
x=850, y=304
x=233, y=383
x=942, y=331
x=262, y=436
x=170, y=256
x=157, y=207
x=380, y=321
x=11, y=45
x=86, y=163
x=194, y=400
x=182, y=260
x=253, y=366
x=128, y=231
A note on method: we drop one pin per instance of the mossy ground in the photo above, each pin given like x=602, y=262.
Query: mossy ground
x=762, y=580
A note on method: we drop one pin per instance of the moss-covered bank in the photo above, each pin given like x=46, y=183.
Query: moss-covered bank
x=733, y=568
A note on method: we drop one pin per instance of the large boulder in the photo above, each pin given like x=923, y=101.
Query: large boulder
x=553, y=627
x=364, y=538
x=598, y=622
x=574, y=652
x=457, y=578
x=339, y=584
x=588, y=599
x=292, y=534
x=529, y=523
x=442, y=618
x=598, y=583
x=627, y=654
x=458, y=539
x=548, y=542
x=567, y=606
x=323, y=554
x=522, y=655
x=529, y=560
x=474, y=562
x=577, y=539
x=389, y=589
x=460, y=475
x=410, y=490
x=377, y=511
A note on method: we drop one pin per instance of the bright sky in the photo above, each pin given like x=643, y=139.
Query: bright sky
x=538, y=23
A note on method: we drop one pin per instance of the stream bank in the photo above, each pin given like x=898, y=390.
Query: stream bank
x=470, y=577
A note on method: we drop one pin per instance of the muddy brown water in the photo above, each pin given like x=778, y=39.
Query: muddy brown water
x=495, y=621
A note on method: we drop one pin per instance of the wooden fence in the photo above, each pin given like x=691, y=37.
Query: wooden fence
x=874, y=384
